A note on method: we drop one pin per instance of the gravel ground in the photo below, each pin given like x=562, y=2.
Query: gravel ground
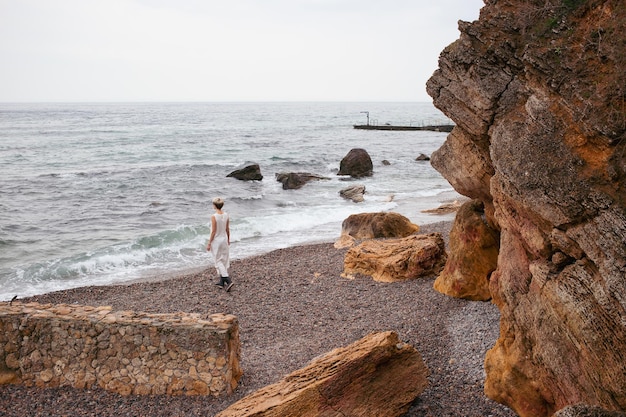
x=292, y=306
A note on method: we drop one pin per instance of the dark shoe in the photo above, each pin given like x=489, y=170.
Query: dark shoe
x=229, y=286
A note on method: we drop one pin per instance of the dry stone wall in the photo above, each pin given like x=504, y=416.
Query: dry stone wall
x=126, y=352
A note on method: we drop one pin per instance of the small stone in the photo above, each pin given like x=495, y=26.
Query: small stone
x=46, y=375
x=12, y=361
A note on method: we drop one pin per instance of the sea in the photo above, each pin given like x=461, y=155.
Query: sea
x=111, y=193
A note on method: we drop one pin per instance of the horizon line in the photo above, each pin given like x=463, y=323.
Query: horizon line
x=201, y=101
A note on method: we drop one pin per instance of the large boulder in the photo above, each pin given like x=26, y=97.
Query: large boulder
x=537, y=92
x=391, y=260
x=372, y=226
x=472, y=257
x=248, y=173
x=296, y=180
x=375, y=376
x=357, y=163
x=378, y=225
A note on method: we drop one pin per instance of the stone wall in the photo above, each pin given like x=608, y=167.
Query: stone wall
x=126, y=352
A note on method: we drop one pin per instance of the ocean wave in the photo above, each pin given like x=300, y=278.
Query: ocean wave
x=89, y=183
x=248, y=197
x=162, y=247
x=78, y=174
x=294, y=219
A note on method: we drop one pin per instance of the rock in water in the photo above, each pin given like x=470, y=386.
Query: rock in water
x=354, y=193
x=357, y=163
x=392, y=260
x=537, y=92
x=473, y=255
x=296, y=180
x=248, y=173
x=375, y=376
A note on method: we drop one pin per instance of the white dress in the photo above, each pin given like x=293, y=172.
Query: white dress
x=219, y=246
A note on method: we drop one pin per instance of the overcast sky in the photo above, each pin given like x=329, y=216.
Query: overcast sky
x=227, y=50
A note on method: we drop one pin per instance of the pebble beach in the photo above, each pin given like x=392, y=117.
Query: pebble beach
x=293, y=306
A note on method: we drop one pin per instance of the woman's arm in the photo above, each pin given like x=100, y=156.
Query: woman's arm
x=228, y=229
x=213, y=228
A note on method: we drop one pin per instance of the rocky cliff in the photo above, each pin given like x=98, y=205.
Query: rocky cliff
x=538, y=92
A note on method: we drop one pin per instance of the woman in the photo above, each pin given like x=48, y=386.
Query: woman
x=219, y=243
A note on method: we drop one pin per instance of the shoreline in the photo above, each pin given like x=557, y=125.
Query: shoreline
x=164, y=276
x=293, y=306
x=196, y=258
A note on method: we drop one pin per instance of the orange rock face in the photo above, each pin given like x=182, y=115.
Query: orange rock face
x=473, y=255
x=375, y=376
x=392, y=260
x=537, y=90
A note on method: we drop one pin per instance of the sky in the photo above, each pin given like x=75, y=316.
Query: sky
x=227, y=50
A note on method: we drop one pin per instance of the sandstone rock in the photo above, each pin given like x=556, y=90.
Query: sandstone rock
x=357, y=163
x=537, y=95
x=375, y=376
x=445, y=208
x=296, y=180
x=393, y=260
x=473, y=255
x=12, y=362
x=472, y=171
x=8, y=377
x=422, y=157
x=386, y=162
x=344, y=241
x=377, y=225
x=583, y=410
x=354, y=193
x=249, y=173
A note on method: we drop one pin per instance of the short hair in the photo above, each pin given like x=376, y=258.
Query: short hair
x=218, y=202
